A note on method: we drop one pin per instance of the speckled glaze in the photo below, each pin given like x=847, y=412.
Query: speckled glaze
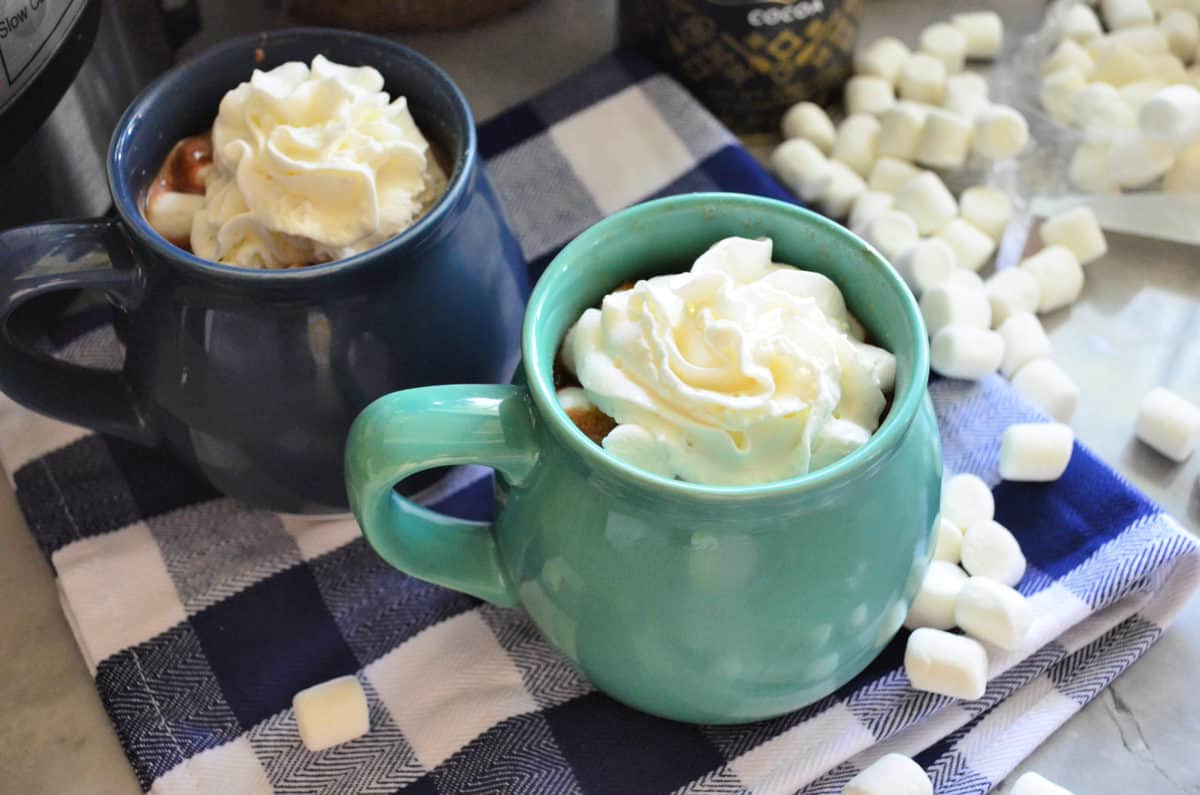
x=703, y=604
x=255, y=376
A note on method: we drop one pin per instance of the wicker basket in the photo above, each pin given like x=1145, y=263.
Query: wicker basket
x=388, y=15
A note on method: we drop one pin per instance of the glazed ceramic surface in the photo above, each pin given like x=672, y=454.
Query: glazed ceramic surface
x=255, y=376
x=704, y=604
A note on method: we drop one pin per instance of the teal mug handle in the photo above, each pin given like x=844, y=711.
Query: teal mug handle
x=417, y=429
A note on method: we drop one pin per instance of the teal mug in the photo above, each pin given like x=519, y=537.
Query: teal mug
x=698, y=603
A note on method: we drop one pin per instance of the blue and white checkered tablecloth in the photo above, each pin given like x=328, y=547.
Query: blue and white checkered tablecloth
x=200, y=618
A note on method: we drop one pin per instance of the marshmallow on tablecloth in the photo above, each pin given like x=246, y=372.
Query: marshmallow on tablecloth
x=966, y=352
x=990, y=550
x=927, y=199
x=857, y=142
x=844, y=187
x=1078, y=230
x=800, y=165
x=940, y=662
x=809, y=121
x=1058, y=90
x=1000, y=132
x=1126, y=13
x=884, y=57
x=945, y=140
x=946, y=43
x=1168, y=423
x=1080, y=23
x=869, y=204
x=1088, y=170
x=926, y=265
x=1184, y=174
x=993, y=613
x=331, y=713
x=890, y=174
x=1032, y=784
x=967, y=500
x=950, y=304
x=1046, y=386
x=1010, y=292
x=1172, y=115
x=892, y=233
x=1068, y=53
x=1035, y=452
x=1059, y=276
x=892, y=774
x=947, y=542
x=1182, y=31
x=984, y=31
x=1024, y=341
x=934, y=603
x=922, y=79
x=987, y=208
x=868, y=94
x=900, y=130
x=972, y=246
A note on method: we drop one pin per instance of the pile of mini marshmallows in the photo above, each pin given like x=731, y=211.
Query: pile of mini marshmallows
x=895, y=774
x=1132, y=92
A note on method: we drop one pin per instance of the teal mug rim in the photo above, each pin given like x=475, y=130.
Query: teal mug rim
x=558, y=275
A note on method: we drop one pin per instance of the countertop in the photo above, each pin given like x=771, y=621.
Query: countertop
x=1136, y=327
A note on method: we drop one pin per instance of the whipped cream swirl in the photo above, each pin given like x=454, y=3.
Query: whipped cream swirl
x=312, y=165
x=740, y=371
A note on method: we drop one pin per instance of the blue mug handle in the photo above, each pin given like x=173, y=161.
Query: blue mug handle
x=87, y=254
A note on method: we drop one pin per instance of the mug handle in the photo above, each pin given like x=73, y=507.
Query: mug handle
x=89, y=254
x=418, y=429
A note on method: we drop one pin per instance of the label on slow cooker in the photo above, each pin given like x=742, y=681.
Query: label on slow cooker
x=31, y=31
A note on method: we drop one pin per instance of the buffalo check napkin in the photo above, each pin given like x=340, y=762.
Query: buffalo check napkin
x=201, y=618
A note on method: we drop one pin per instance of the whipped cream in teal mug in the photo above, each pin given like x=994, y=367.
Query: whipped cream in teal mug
x=697, y=602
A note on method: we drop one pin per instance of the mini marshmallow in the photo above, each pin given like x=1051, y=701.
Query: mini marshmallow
x=950, y=305
x=1116, y=63
x=1136, y=93
x=926, y=265
x=1059, y=276
x=1182, y=30
x=1024, y=341
x=1000, y=132
x=171, y=213
x=989, y=550
x=945, y=141
x=869, y=204
x=809, y=121
x=940, y=662
x=1035, y=452
x=927, y=199
x=884, y=57
x=1045, y=385
x=984, y=32
x=934, y=603
x=964, y=279
x=1172, y=115
x=1010, y=292
x=1058, y=90
x=844, y=187
x=987, y=208
x=1088, y=170
x=1080, y=23
x=892, y=233
x=331, y=713
x=1068, y=53
x=972, y=246
x=1126, y=13
x=969, y=82
x=573, y=398
x=966, y=352
x=1134, y=161
x=1184, y=174
x=922, y=79
x=868, y=94
x=1099, y=110
x=962, y=99
x=947, y=544
x=857, y=142
x=946, y=43
x=1145, y=39
x=967, y=500
x=1168, y=423
x=1078, y=230
x=800, y=165
x=1032, y=784
x=900, y=131
x=1167, y=67
x=891, y=774
x=889, y=174
x=993, y=613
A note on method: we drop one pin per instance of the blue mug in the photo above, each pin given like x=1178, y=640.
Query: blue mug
x=255, y=376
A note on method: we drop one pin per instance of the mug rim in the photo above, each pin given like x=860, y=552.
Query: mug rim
x=541, y=383
x=125, y=197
